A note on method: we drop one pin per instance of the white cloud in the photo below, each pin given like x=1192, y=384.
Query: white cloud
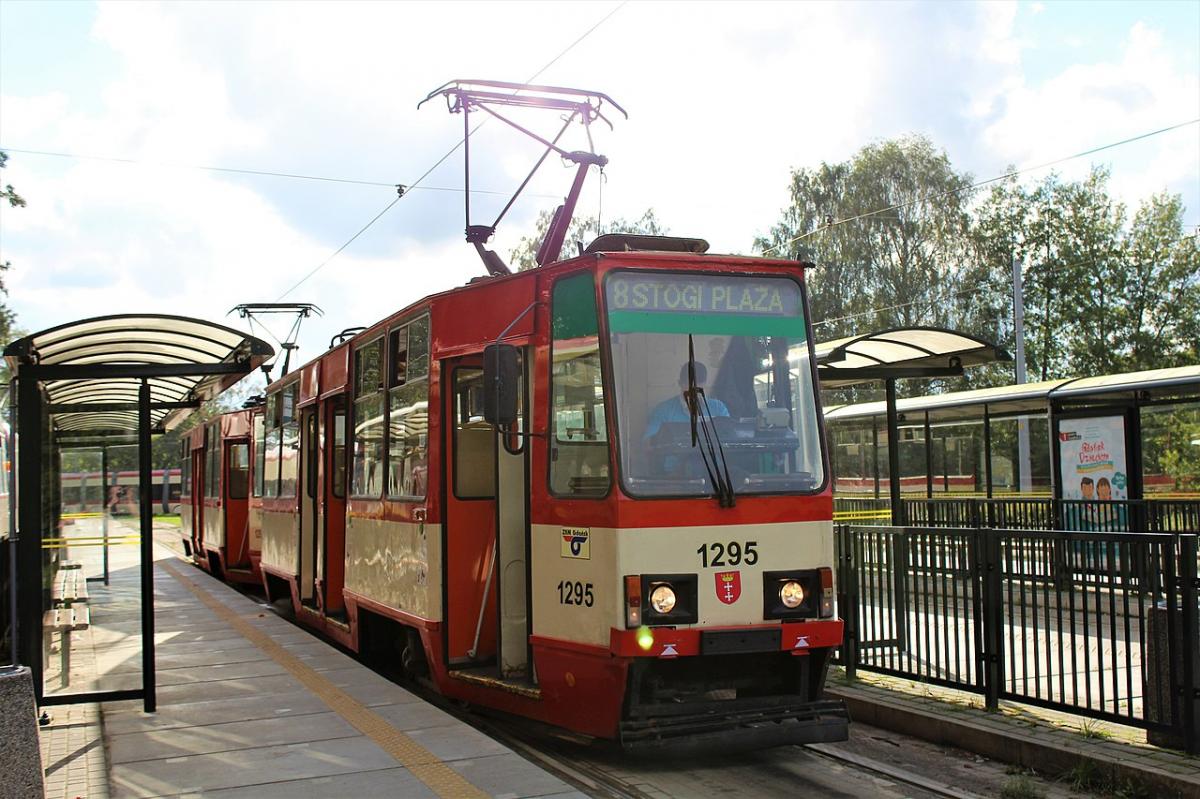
x=1142, y=88
x=723, y=100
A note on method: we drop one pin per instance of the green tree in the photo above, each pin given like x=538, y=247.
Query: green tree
x=581, y=231
x=8, y=319
x=888, y=232
x=1102, y=294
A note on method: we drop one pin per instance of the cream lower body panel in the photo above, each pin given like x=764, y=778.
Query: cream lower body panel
x=279, y=544
x=214, y=527
x=615, y=553
x=397, y=564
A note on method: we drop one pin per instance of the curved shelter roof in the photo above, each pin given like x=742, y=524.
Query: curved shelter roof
x=902, y=352
x=1179, y=382
x=91, y=370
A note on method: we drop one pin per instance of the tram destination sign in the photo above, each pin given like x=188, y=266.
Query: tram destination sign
x=729, y=304
x=706, y=294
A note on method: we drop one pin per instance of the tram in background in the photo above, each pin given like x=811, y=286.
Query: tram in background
x=216, y=509
x=81, y=491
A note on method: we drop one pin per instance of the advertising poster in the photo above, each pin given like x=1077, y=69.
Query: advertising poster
x=1092, y=467
x=1092, y=458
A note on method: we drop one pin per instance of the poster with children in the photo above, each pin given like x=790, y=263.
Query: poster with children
x=1092, y=458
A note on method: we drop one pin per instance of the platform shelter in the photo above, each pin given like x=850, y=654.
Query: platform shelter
x=94, y=383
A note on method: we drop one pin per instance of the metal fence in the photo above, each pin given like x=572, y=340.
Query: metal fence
x=1098, y=624
x=1044, y=513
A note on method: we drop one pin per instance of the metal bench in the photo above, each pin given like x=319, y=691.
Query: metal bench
x=70, y=612
x=69, y=588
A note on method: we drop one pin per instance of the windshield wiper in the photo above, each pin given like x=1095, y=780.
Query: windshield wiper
x=711, y=451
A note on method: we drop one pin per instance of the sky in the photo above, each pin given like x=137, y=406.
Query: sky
x=724, y=99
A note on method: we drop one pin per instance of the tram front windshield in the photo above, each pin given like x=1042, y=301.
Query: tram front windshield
x=743, y=341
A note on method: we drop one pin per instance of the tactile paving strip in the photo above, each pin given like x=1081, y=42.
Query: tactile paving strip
x=424, y=765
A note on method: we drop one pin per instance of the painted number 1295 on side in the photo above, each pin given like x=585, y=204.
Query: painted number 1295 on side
x=573, y=592
x=731, y=554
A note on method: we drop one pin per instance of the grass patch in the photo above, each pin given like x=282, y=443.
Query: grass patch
x=169, y=518
x=1020, y=786
x=1092, y=729
x=1087, y=776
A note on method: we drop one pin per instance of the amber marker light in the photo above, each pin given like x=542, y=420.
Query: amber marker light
x=633, y=600
x=826, y=592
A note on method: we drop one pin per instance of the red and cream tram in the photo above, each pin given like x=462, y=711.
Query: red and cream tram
x=215, y=508
x=620, y=524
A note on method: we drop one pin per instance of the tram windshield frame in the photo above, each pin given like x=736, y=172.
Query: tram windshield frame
x=746, y=340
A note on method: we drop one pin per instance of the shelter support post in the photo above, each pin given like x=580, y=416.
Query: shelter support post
x=29, y=526
x=928, y=458
x=893, y=439
x=899, y=542
x=145, y=505
x=13, y=621
x=104, y=505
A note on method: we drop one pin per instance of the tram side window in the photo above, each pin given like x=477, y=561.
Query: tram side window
x=212, y=462
x=408, y=410
x=474, y=447
x=579, y=434
x=270, y=449
x=289, y=456
x=368, y=420
x=260, y=450
x=239, y=470
x=185, y=466
x=339, y=447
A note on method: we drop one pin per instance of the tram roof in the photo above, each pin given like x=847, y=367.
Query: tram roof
x=902, y=352
x=91, y=370
x=1182, y=381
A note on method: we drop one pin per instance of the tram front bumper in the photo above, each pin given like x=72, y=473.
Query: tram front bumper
x=696, y=727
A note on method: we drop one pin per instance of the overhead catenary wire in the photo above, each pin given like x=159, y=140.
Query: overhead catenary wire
x=409, y=187
x=1005, y=176
x=239, y=171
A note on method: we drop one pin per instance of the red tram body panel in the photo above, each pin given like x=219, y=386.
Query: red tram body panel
x=643, y=554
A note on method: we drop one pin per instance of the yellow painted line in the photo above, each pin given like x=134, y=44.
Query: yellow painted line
x=71, y=538
x=425, y=766
x=82, y=515
x=112, y=542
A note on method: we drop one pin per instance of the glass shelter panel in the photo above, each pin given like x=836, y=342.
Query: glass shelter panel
x=91, y=611
x=1171, y=451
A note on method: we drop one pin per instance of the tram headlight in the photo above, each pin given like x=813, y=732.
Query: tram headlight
x=662, y=599
x=791, y=594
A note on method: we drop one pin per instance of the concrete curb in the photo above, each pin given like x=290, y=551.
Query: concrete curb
x=1030, y=751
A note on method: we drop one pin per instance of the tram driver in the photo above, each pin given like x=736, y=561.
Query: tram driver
x=670, y=424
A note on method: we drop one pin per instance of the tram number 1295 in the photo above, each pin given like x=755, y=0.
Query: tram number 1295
x=731, y=554
x=573, y=592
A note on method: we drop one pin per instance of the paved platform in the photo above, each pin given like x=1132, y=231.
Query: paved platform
x=1098, y=756
x=251, y=705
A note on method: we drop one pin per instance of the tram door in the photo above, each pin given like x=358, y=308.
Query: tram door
x=512, y=491
x=331, y=493
x=198, y=501
x=485, y=534
x=310, y=444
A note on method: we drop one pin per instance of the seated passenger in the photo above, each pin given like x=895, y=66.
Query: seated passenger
x=674, y=408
